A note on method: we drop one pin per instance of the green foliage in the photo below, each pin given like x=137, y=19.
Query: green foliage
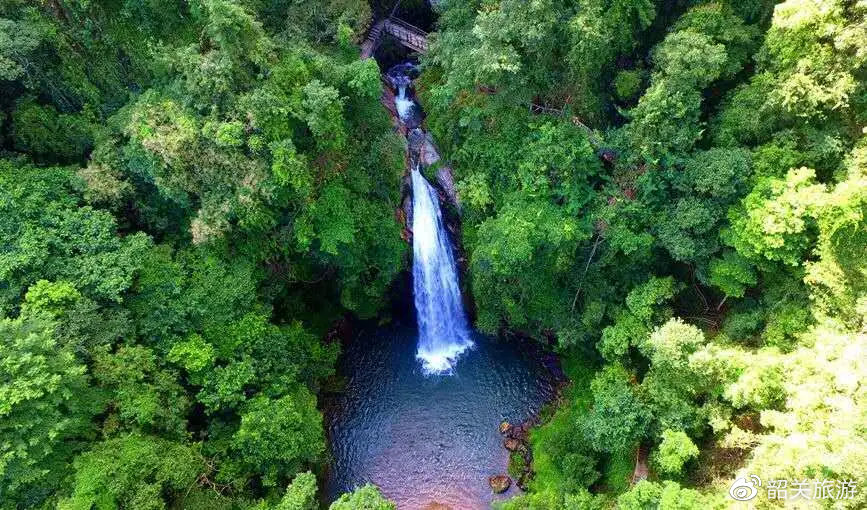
x=134, y=472
x=214, y=122
x=145, y=396
x=52, y=298
x=47, y=236
x=277, y=437
x=581, y=500
x=49, y=135
x=104, y=181
x=517, y=464
x=671, y=387
x=617, y=419
x=45, y=406
x=232, y=190
x=732, y=274
x=301, y=493
x=522, y=239
x=627, y=84
x=562, y=460
x=19, y=40
x=366, y=497
x=774, y=220
x=598, y=33
x=644, y=307
x=674, y=451
x=617, y=471
x=322, y=21
x=806, y=435
x=667, y=495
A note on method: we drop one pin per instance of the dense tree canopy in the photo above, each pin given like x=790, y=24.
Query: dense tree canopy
x=191, y=194
x=717, y=247
x=671, y=196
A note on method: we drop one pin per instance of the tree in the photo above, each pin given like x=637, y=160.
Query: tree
x=707, y=43
x=776, y=220
x=618, y=419
x=49, y=135
x=732, y=273
x=671, y=387
x=598, y=33
x=20, y=39
x=251, y=355
x=668, y=495
x=51, y=298
x=581, y=500
x=144, y=396
x=694, y=200
x=366, y=497
x=277, y=438
x=49, y=237
x=301, y=493
x=644, y=306
x=46, y=406
x=674, y=451
x=134, y=472
x=516, y=262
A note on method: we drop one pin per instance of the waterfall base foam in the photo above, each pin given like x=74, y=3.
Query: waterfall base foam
x=443, y=360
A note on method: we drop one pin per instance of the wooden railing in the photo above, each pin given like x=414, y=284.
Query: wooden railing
x=410, y=36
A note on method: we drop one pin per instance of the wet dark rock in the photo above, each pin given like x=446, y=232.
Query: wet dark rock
x=447, y=183
x=514, y=445
x=607, y=156
x=499, y=483
x=524, y=481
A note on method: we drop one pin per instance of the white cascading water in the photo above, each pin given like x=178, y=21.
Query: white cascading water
x=403, y=104
x=443, y=334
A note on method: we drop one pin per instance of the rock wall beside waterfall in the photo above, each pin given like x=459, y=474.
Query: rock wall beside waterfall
x=428, y=155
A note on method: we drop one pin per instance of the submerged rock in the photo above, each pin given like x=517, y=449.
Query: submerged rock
x=437, y=506
x=499, y=483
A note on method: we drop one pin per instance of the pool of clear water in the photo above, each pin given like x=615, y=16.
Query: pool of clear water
x=429, y=439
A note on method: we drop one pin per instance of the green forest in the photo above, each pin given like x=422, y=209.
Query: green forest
x=197, y=195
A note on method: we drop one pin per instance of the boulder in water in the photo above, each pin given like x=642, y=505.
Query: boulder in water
x=514, y=445
x=499, y=483
x=505, y=428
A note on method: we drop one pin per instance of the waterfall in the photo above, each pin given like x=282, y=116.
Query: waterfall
x=403, y=104
x=400, y=77
x=443, y=334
